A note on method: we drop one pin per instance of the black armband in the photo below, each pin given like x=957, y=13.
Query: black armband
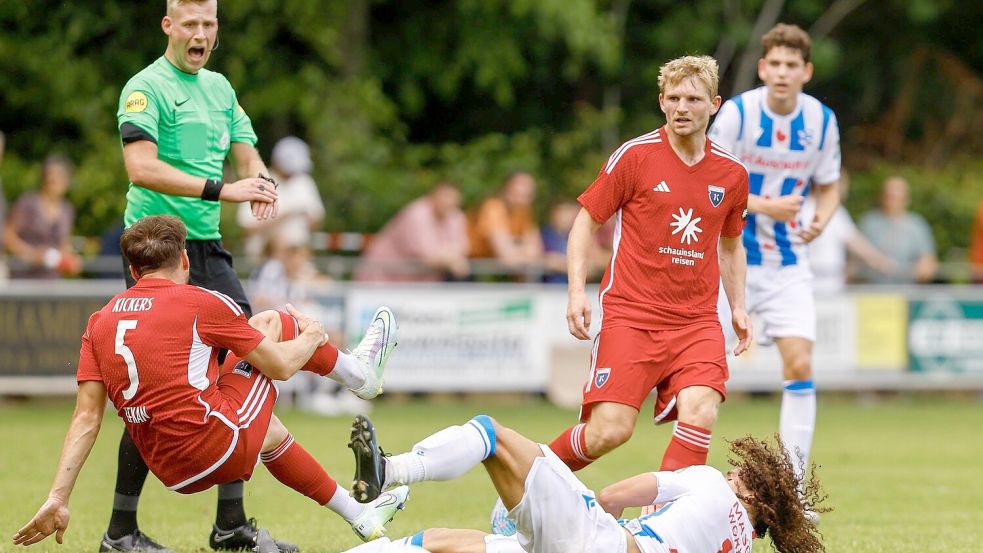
x=212, y=190
x=128, y=132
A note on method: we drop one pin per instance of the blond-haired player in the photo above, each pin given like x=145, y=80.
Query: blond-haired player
x=677, y=200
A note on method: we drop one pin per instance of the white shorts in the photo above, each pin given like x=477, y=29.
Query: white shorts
x=781, y=301
x=559, y=514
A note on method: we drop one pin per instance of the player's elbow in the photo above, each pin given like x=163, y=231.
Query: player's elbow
x=611, y=500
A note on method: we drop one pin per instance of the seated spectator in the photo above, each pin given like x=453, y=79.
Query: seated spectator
x=976, y=246
x=828, y=252
x=504, y=226
x=38, y=230
x=425, y=241
x=901, y=235
x=300, y=209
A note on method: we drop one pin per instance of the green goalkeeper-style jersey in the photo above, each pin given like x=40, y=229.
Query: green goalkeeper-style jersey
x=193, y=119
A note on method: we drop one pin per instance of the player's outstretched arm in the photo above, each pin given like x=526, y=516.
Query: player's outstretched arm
x=53, y=516
x=637, y=491
x=578, y=256
x=733, y=272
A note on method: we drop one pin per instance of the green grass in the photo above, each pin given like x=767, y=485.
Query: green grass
x=903, y=474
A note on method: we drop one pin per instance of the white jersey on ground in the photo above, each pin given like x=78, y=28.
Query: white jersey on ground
x=700, y=514
x=784, y=154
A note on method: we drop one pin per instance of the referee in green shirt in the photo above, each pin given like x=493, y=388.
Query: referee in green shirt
x=178, y=123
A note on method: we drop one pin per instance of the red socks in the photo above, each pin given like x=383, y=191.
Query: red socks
x=324, y=358
x=571, y=447
x=293, y=466
x=689, y=446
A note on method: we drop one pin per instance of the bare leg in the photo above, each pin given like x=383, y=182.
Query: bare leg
x=450, y=540
x=509, y=467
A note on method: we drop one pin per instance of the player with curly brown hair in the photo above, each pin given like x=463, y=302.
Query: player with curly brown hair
x=776, y=500
x=551, y=511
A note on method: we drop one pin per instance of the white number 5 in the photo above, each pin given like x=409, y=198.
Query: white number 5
x=127, y=355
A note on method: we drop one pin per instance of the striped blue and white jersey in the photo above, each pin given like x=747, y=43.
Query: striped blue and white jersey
x=784, y=154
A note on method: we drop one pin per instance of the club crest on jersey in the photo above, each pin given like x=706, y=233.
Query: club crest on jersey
x=243, y=368
x=602, y=376
x=716, y=194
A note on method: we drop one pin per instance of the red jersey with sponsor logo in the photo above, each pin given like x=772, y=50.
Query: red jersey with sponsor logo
x=668, y=219
x=155, y=348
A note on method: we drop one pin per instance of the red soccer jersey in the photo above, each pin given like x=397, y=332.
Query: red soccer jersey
x=155, y=348
x=668, y=219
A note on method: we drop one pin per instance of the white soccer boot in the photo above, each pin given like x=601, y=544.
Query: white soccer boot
x=374, y=350
x=371, y=524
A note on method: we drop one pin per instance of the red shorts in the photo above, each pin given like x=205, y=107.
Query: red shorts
x=237, y=427
x=628, y=363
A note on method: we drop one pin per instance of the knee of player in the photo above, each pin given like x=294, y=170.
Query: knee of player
x=609, y=436
x=268, y=323
x=798, y=368
x=493, y=432
x=702, y=414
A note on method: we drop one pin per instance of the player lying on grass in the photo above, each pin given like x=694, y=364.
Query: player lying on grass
x=702, y=510
x=153, y=349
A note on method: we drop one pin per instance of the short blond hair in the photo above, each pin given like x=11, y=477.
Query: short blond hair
x=704, y=68
x=173, y=4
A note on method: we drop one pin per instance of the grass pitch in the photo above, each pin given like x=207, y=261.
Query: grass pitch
x=904, y=474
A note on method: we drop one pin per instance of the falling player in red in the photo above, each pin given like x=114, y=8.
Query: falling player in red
x=153, y=350
x=679, y=201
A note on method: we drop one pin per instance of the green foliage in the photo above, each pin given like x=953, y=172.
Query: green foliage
x=393, y=96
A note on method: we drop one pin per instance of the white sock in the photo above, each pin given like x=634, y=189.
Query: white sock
x=445, y=455
x=797, y=421
x=345, y=505
x=348, y=371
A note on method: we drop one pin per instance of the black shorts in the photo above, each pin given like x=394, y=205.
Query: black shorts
x=211, y=267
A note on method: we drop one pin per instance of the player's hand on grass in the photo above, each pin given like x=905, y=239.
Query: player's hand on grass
x=783, y=208
x=744, y=330
x=52, y=517
x=578, y=315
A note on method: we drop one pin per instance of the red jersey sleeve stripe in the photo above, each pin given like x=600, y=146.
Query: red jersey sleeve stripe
x=624, y=149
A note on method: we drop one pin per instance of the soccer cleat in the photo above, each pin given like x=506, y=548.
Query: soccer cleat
x=137, y=541
x=374, y=350
x=371, y=524
x=370, y=463
x=244, y=537
x=265, y=542
x=500, y=523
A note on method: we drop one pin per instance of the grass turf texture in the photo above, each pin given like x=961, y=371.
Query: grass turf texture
x=903, y=473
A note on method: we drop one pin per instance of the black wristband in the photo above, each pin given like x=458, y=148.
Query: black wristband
x=212, y=190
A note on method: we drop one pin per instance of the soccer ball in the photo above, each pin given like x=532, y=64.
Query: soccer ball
x=500, y=523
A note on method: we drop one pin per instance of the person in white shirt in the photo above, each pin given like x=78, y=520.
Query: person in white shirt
x=300, y=207
x=828, y=252
x=702, y=510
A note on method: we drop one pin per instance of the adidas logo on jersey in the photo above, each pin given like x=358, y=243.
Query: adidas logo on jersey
x=662, y=187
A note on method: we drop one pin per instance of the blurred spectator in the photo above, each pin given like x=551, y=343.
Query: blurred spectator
x=903, y=236
x=555, y=235
x=828, y=252
x=38, y=230
x=976, y=246
x=504, y=225
x=300, y=209
x=426, y=241
x=284, y=278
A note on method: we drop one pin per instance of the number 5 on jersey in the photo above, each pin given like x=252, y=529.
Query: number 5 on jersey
x=123, y=351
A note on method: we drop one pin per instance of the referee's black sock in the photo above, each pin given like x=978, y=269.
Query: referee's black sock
x=131, y=473
x=230, y=512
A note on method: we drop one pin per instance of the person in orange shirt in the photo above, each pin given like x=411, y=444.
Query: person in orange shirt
x=504, y=226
